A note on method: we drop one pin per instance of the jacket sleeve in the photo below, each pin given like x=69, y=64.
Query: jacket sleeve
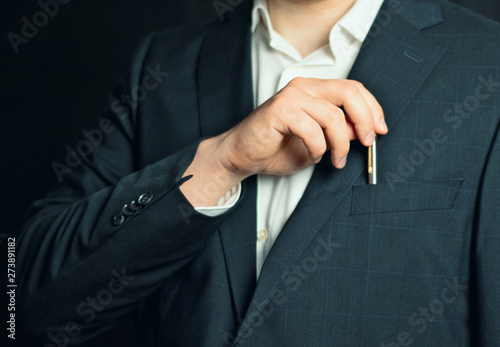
x=485, y=268
x=109, y=234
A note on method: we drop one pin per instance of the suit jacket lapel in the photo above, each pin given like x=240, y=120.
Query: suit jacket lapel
x=238, y=237
x=225, y=73
x=396, y=60
x=226, y=98
x=393, y=64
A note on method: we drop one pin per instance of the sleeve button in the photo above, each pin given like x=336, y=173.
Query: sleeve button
x=145, y=199
x=118, y=219
x=134, y=206
x=126, y=211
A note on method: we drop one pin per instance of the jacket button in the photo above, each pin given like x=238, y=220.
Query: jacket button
x=134, y=206
x=126, y=211
x=145, y=199
x=118, y=219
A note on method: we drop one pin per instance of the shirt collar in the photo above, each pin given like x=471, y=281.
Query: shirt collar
x=260, y=13
x=357, y=21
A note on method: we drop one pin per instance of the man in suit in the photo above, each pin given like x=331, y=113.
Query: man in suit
x=221, y=223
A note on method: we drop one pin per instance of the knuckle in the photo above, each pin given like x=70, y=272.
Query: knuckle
x=315, y=138
x=290, y=92
x=317, y=153
x=357, y=83
x=319, y=147
x=277, y=100
x=279, y=105
x=350, y=89
x=296, y=82
x=337, y=117
x=312, y=129
x=330, y=109
x=322, y=148
x=336, y=112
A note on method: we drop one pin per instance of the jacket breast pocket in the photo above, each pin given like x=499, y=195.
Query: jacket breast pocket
x=404, y=196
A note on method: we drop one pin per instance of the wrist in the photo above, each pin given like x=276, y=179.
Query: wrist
x=230, y=158
x=217, y=155
x=211, y=179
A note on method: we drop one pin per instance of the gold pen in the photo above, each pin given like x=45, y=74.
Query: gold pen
x=372, y=162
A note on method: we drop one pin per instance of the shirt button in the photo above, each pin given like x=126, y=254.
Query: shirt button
x=262, y=234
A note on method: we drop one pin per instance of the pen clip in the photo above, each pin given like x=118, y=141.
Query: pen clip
x=372, y=162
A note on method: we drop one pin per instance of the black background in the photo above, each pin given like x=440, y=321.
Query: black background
x=58, y=85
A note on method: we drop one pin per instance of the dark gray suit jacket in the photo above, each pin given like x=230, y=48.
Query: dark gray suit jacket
x=413, y=260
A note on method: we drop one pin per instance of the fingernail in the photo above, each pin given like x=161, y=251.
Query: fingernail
x=383, y=124
x=318, y=160
x=370, y=138
x=342, y=162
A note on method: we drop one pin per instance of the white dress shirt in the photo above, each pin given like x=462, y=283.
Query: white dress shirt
x=275, y=62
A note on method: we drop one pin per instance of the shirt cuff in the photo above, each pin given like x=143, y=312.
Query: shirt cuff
x=225, y=203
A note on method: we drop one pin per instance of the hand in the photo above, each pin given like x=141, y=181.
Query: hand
x=295, y=127
x=289, y=132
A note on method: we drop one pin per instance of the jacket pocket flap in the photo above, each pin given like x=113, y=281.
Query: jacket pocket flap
x=404, y=196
